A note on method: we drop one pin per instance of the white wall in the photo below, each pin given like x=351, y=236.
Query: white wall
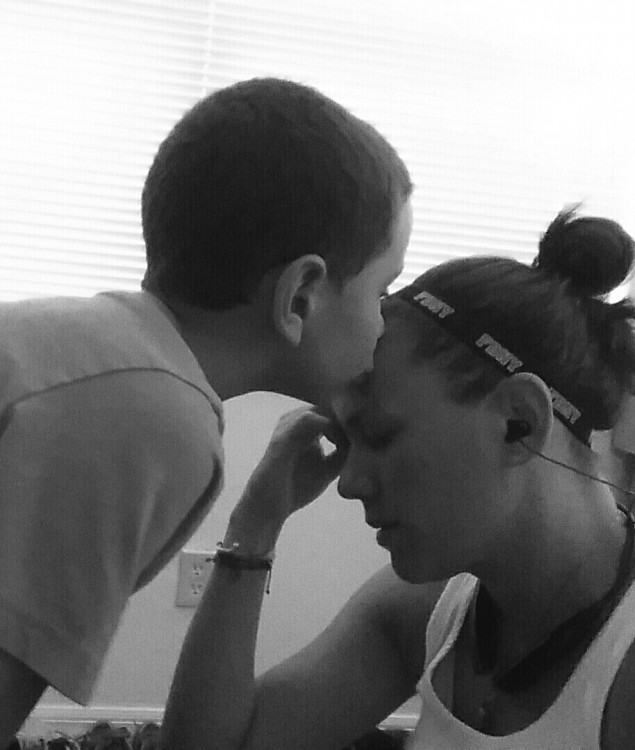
x=324, y=554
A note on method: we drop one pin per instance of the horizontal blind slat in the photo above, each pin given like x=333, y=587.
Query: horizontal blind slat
x=475, y=107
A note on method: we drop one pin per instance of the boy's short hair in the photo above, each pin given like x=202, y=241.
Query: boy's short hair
x=256, y=175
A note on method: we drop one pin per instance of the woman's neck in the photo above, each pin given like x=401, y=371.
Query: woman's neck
x=562, y=559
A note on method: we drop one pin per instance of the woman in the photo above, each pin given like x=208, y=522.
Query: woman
x=469, y=448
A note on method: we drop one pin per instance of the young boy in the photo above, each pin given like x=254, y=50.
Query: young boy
x=274, y=222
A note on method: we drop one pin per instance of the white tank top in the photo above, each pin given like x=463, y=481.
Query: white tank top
x=572, y=722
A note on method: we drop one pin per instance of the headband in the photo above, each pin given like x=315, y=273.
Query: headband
x=494, y=352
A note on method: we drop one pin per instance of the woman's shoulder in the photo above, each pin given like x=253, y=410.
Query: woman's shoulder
x=395, y=598
x=403, y=610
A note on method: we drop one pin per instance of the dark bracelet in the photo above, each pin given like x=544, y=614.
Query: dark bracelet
x=229, y=557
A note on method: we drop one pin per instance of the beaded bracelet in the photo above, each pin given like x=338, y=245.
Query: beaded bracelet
x=229, y=557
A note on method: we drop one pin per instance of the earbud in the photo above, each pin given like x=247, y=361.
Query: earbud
x=516, y=430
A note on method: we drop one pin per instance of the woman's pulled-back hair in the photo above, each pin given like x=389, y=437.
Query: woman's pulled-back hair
x=552, y=318
x=256, y=175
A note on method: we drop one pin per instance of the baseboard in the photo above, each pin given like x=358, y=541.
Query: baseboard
x=48, y=721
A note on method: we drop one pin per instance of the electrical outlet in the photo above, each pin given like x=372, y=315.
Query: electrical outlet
x=194, y=570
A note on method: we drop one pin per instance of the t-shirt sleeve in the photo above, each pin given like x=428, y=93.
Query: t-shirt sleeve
x=81, y=476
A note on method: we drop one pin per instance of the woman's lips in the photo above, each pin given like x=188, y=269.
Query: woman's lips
x=384, y=534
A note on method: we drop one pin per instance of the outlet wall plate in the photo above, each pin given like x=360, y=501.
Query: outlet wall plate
x=194, y=571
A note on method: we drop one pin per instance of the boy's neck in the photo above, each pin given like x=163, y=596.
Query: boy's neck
x=237, y=350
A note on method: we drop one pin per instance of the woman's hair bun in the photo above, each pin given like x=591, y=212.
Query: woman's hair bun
x=595, y=255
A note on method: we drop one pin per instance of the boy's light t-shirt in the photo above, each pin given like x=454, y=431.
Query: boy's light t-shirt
x=110, y=457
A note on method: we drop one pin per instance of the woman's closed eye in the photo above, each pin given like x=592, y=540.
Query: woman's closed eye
x=377, y=441
x=371, y=431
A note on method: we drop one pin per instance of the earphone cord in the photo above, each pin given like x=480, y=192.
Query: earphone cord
x=630, y=493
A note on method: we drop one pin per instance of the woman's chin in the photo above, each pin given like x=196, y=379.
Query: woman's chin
x=412, y=571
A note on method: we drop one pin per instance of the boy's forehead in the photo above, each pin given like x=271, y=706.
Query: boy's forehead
x=389, y=263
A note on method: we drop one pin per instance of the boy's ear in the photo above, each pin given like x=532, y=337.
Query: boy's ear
x=523, y=415
x=295, y=295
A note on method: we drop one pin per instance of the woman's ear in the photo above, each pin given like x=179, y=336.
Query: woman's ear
x=295, y=295
x=524, y=415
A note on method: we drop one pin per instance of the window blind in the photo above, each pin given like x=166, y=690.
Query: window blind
x=88, y=91
x=503, y=114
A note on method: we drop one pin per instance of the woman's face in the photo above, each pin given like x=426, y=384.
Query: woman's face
x=422, y=464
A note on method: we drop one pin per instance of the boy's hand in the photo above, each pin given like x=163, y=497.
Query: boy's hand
x=292, y=473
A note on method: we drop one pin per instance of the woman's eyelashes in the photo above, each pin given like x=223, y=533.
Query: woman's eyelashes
x=378, y=443
x=370, y=431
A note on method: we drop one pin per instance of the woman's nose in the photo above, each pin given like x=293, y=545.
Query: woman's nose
x=354, y=485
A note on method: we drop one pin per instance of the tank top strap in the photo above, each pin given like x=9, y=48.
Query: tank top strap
x=447, y=617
